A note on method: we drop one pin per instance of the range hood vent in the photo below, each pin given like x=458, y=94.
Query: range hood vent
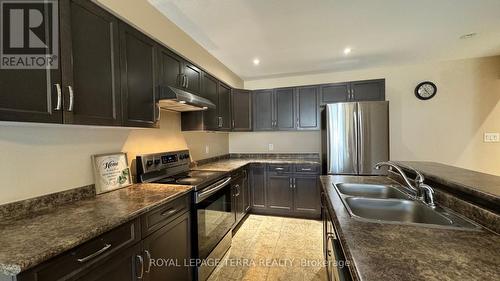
x=175, y=99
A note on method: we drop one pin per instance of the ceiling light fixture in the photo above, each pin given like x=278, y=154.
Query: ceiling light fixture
x=468, y=35
x=256, y=61
x=347, y=51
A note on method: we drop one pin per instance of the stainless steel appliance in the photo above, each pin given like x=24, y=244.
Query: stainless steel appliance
x=355, y=136
x=212, y=213
x=175, y=99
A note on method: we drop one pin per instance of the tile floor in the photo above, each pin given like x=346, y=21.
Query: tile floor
x=274, y=248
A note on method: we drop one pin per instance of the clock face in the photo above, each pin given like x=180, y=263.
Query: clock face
x=425, y=90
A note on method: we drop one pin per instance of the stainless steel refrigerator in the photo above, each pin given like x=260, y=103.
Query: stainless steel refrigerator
x=355, y=136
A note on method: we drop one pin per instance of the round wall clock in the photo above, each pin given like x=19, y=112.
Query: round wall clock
x=425, y=90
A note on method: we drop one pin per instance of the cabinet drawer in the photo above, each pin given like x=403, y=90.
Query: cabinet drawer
x=279, y=168
x=307, y=168
x=160, y=216
x=86, y=255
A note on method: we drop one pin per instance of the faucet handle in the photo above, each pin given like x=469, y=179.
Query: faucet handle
x=428, y=195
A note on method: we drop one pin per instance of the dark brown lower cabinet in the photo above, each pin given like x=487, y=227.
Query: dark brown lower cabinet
x=306, y=195
x=125, y=266
x=257, y=182
x=167, y=252
x=289, y=190
x=279, y=192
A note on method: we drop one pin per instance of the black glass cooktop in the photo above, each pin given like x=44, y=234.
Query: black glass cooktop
x=195, y=178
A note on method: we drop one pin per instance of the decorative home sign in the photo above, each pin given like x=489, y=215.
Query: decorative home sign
x=111, y=171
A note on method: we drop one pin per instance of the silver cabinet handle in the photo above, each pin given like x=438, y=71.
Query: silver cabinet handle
x=233, y=123
x=291, y=183
x=187, y=81
x=297, y=122
x=158, y=114
x=294, y=183
x=59, y=97
x=306, y=169
x=141, y=261
x=71, y=98
x=279, y=169
x=168, y=212
x=148, y=254
x=91, y=256
x=237, y=190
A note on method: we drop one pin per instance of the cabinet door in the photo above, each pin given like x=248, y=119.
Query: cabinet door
x=193, y=78
x=241, y=110
x=369, y=90
x=307, y=195
x=263, y=113
x=30, y=95
x=173, y=244
x=169, y=68
x=139, y=86
x=245, y=191
x=124, y=266
x=279, y=192
x=332, y=93
x=308, y=115
x=90, y=64
x=210, y=116
x=258, y=186
x=224, y=107
x=239, y=208
x=285, y=109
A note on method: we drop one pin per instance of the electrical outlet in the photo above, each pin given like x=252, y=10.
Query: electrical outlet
x=491, y=137
x=271, y=147
x=207, y=149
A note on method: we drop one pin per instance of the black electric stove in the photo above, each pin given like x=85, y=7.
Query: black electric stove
x=173, y=168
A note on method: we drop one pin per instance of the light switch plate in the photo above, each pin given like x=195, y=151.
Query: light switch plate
x=271, y=147
x=491, y=137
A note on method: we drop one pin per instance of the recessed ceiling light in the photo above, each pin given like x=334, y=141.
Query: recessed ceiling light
x=468, y=35
x=347, y=51
x=256, y=61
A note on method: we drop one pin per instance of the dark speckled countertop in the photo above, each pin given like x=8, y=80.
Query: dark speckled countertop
x=379, y=251
x=26, y=242
x=228, y=165
x=481, y=186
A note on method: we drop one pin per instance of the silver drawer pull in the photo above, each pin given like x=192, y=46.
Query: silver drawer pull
x=168, y=212
x=59, y=97
x=71, y=98
x=91, y=256
x=306, y=169
x=149, y=260
x=279, y=169
x=141, y=261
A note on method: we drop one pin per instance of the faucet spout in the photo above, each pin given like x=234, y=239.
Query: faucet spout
x=403, y=175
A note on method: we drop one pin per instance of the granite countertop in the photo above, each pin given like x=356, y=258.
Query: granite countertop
x=379, y=251
x=228, y=165
x=477, y=184
x=29, y=241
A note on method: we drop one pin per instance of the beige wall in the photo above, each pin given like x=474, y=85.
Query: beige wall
x=59, y=156
x=41, y=159
x=283, y=142
x=142, y=15
x=448, y=128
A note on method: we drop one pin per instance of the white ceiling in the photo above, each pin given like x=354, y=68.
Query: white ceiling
x=305, y=36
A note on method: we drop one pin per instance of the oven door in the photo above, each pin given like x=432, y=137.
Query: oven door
x=214, y=216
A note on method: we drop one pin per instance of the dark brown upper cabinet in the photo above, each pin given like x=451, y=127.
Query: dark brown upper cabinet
x=90, y=65
x=367, y=90
x=308, y=113
x=263, y=110
x=191, y=78
x=284, y=109
x=138, y=78
x=224, y=107
x=211, y=115
x=241, y=104
x=336, y=92
x=31, y=95
x=170, y=66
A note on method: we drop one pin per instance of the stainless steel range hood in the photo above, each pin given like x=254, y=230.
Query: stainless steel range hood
x=175, y=99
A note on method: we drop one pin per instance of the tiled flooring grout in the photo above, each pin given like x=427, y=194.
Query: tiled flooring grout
x=273, y=239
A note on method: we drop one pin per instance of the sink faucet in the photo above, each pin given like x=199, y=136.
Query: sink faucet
x=423, y=192
x=403, y=175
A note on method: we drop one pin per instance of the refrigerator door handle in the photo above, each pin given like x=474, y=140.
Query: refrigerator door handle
x=356, y=139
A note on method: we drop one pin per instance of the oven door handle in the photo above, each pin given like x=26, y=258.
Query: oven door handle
x=211, y=190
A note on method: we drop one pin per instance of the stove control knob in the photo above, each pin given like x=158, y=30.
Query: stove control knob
x=157, y=161
x=149, y=163
x=186, y=156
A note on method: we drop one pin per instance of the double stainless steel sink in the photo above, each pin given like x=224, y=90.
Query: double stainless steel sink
x=392, y=204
